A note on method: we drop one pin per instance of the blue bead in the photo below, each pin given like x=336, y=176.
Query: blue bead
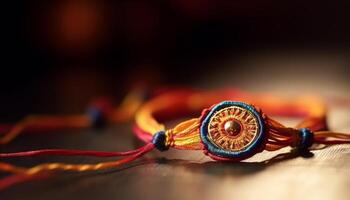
x=97, y=116
x=159, y=140
x=306, y=138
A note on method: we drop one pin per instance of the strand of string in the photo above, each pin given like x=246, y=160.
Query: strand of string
x=41, y=171
x=67, y=152
x=76, y=167
x=38, y=123
x=123, y=112
x=281, y=136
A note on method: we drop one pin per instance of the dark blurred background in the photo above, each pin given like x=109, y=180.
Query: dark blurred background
x=58, y=55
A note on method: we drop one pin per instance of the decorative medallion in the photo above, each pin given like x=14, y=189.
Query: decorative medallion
x=232, y=129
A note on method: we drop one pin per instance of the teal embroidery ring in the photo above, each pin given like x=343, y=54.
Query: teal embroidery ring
x=232, y=130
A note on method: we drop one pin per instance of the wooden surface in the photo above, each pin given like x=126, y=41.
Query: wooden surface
x=321, y=175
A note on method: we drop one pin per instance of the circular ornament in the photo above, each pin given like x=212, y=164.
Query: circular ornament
x=232, y=130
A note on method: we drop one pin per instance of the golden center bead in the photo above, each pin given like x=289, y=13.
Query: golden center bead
x=232, y=127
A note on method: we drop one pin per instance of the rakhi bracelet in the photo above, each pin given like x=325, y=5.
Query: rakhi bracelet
x=234, y=130
x=230, y=126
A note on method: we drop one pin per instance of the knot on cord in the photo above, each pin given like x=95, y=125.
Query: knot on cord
x=160, y=141
x=306, y=139
x=98, y=112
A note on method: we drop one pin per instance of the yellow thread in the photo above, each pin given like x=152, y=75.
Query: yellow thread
x=59, y=166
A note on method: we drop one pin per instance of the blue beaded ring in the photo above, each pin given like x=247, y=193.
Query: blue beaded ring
x=233, y=130
x=159, y=140
x=97, y=116
x=306, y=139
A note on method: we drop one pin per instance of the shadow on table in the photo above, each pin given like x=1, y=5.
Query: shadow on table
x=225, y=168
x=213, y=167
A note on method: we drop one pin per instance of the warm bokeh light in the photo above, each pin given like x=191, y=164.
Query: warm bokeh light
x=76, y=27
x=73, y=57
